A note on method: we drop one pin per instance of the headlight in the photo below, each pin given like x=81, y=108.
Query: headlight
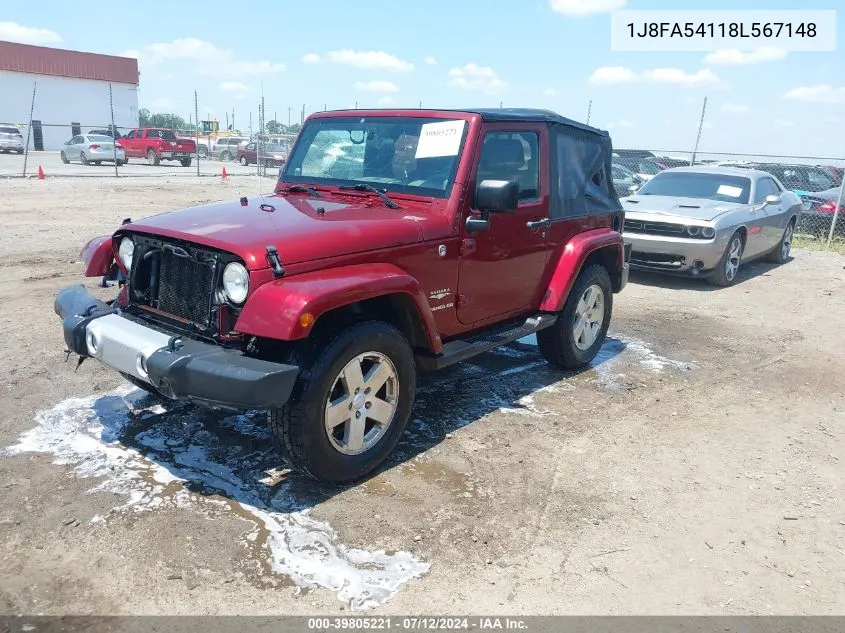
x=708, y=232
x=125, y=251
x=693, y=231
x=236, y=282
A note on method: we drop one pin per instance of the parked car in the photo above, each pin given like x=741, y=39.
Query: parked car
x=837, y=172
x=11, y=139
x=801, y=179
x=819, y=209
x=625, y=181
x=93, y=148
x=321, y=302
x=644, y=168
x=706, y=221
x=157, y=144
x=273, y=155
x=226, y=149
x=665, y=162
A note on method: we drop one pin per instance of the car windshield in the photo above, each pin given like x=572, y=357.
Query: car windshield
x=10, y=130
x=99, y=138
x=685, y=184
x=274, y=147
x=649, y=168
x=416, y=155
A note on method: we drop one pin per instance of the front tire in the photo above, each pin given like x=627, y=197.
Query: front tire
x=581, y=329
x=84, y=159
x=152, y=158
x=780, y=254
x=244, y=161
x=351, y=403
x=727, y=270
x=63, y=156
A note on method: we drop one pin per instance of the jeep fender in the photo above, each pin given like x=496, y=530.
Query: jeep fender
x=98, y=256
x=274, y=309
x=572, y=259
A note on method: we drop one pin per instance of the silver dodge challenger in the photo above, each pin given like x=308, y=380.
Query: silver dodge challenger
x=705, y=221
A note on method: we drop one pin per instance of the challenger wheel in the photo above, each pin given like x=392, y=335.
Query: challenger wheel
x=780, y=254
x=728, y=267
x=351, y=403
x=580, y=331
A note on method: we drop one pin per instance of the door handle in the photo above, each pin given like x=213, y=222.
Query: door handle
x=539, y=224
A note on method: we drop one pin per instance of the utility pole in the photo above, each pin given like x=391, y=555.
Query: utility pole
x=700, y=127
x=589, y=111
x=288, y=118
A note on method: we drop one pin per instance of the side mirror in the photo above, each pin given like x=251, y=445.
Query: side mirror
x=497, y=195
x=772, y=199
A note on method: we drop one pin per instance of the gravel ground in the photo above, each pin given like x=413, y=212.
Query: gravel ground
x=696, y=468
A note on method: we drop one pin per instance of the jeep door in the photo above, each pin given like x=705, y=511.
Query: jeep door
x=501, y=268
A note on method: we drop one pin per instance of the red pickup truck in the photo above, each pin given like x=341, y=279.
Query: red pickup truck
x=157, y=144
x=397, y=241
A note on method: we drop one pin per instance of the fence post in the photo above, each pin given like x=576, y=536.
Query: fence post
x=700, y=127
x=29, y=128
x=197, y=132
x=836, y=211
x=113, y=130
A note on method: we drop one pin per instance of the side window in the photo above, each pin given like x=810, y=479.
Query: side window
x=763, y=189
x=251, y=147
x=583, y=184
x=512, y=156
x=131, y=134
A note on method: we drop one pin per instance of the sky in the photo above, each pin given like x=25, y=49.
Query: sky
x=552, y=54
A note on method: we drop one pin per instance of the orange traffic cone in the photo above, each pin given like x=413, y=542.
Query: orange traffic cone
x=40, y=173
x=223, y=174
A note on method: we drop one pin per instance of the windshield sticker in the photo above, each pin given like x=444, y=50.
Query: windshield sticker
x=440, y=139
x=728, y=190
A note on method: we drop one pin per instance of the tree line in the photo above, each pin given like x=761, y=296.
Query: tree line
x=146, y=118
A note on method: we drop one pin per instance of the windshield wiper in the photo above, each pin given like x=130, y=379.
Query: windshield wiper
x=362, y=186
x=301, y=189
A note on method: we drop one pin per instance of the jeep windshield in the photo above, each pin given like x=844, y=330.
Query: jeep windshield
x=414, y=155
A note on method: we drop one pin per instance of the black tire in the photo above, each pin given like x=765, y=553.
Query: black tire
x=186, y=162
x=20, y=152
x=557, y=343
x=121, y=163
x=63, y=156
x=299, y=427
x=83, y=159
x=244, y=161
x=152, y=158
x=225, y=157
x=780, y=253
x=722, y=276
x=202, y=152
x=98, y=162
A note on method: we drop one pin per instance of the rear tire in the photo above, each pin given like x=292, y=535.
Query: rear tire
x=186, y=162
x=152, y=158
x=83, y=159
x=244, y=161
x=225, y=157
x=332, y=391
x=727, y=271
x=98, y=162
x=581, y=329
x=780, y=254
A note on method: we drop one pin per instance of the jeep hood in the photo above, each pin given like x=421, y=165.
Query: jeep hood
x=688, y=208
x=293, y=225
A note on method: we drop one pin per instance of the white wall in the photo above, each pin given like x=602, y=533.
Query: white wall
x=60, y=101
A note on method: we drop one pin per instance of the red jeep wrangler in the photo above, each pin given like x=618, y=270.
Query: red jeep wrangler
x=396, y=241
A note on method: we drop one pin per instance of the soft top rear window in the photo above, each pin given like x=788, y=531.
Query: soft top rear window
x=10, y=130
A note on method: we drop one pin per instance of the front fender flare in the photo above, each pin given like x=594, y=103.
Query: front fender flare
x=274, y=309
x=98, y=256
x=572, y=258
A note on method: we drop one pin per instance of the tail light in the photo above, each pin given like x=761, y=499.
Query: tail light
x=93, y=147
x=118, y=146
x=830, y=207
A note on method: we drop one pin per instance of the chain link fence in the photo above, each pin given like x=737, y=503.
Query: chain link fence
x=818, y=181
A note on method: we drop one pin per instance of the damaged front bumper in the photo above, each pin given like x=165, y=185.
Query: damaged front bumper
x=180, y=369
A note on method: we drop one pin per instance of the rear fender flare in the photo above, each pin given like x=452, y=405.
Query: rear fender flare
x=572, y=259
x=273, y=311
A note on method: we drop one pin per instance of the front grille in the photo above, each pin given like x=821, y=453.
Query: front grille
x=658, y=260
x=185, y=287
x=655, y=228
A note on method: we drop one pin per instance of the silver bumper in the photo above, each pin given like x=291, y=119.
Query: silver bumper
x=123, y=344
x=674, y=254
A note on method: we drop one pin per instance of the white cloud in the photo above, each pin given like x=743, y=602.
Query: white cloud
x=733, y=57
x=474, y=78
x=820, y=93
x=362, y=59
x=386, y=101
x=615, y=75
x=431, y=61
x=134, y=54
x=550, y=92
x=620, y=124
x=376, y=86
x=14, y=32
x=736, y=108
x=585, y=7
x=207, y=58
x=783, y=123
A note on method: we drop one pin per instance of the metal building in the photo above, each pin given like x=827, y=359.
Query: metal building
x=71, y=92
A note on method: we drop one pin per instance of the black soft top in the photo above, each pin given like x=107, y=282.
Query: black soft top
x=530, y=114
